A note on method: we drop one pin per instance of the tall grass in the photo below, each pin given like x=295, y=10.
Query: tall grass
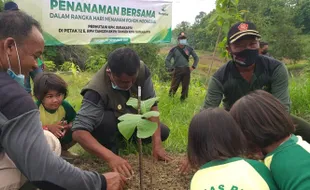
x=300, y=96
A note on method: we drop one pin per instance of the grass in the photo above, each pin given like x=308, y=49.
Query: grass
x=300, y=96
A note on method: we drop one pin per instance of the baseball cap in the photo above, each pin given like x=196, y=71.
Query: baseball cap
x=181, y=35
x=10, y=6
x=241, y=29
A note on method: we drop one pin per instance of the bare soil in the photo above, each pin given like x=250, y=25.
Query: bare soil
x=157, y=176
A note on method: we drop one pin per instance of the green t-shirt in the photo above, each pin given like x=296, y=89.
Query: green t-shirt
x=290, y=164
x=233, y=174
x=64, y=112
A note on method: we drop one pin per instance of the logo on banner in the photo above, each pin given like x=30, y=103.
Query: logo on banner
x=163, y=11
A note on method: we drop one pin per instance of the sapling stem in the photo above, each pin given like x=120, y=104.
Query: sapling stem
x=140, y=142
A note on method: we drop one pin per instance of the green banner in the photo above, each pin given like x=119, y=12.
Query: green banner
x=80, y=22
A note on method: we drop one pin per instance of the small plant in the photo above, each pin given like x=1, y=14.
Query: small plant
x=50, y=66
x=75, y=69
x=145, y=128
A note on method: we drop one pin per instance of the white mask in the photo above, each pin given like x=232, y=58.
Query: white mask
x=183, y=42
x=20, y=78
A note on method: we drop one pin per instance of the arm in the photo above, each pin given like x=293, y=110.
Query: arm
x=70, y=112
x=214, y=95
x=156, y=138
x=87, y=119
x=279, y=86
x=196, y=59
x=28, y=149
x=168, y=59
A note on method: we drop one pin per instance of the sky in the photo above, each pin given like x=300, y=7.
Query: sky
x=187, y=10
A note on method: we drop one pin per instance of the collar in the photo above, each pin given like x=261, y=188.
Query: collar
x=220, y=162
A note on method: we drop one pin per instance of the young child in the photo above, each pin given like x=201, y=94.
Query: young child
x=266, y=123
x=56, y=114
x=215, y=144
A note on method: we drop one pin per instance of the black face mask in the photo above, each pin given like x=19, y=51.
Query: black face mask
x=264, y=52
x=245, y=58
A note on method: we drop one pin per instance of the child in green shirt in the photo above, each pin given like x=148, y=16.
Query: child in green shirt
x=56, y=114
x=267, y=125
x=215, y=144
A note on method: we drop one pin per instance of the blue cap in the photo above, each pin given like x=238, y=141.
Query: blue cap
x=10, y=6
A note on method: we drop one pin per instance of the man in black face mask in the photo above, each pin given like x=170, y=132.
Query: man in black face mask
x=249, y=71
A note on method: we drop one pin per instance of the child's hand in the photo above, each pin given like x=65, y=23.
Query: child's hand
x=67, y=126
x=185, y=166
x=56, y=129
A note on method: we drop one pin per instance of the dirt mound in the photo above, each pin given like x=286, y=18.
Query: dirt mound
x=164, y=176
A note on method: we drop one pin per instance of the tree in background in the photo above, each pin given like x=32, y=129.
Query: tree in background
x=275, y=21
x=302, y=17
x=280, y=22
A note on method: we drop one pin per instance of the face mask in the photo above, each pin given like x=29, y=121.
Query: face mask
x=20, y=78
x=183, y=42
x=245, y=58
x=115, y=87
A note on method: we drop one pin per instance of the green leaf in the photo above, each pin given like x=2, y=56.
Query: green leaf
x=147, y=104
x=213, y=18
x=127, y=128
x=151, y=114
x=146, y=129
x=133, y=102
x=130, y=116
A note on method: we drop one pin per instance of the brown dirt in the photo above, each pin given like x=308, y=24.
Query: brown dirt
x=164, y=176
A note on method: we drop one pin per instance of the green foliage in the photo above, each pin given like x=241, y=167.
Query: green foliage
x=275, y=21
x=94, y=63
x=75, y=69
x=61, y=54
x=280, y=22
x=227, y=14
x=66, y=66
x=2, y=2
x=302, y=16
x=50, y=66
x=130, y=122
x=145, y=105
x=300, y=96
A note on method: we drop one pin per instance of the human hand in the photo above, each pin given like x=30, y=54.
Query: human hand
x=159, y=153
x=56, y=129
x=115, y=181
x=120, y=165
x=185, y=166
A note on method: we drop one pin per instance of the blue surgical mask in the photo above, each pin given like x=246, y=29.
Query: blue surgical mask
x=20, y=78
x=115, y=87
x=183, y=42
